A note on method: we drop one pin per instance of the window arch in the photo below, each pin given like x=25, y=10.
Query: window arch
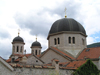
x=55, y=41
x=21, y=49
x=36, y=52
x=58, y=41
x=69, y=39
x=73, y=40
x=17, y=48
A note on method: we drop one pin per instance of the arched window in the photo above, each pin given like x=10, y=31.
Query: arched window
x=55, y=41
x=69, y=39
x=32, y=51
x=39, y=52
x=58, y=41
x=36, y=52
x=83, y=41
x=21, y=49
x=17, y=48
x=73, y=40
x=13, y=48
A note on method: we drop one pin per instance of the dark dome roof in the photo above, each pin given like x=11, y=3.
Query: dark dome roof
x=18, y=39
x=36, y=43
x=66, y=24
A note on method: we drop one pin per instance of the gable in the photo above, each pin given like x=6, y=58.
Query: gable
x=50, y=54
x=33, y=60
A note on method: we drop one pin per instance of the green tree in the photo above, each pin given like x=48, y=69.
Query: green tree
x=88, y=68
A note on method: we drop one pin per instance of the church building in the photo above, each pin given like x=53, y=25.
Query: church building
x=67, y=50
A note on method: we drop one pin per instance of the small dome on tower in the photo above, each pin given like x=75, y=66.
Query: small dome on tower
x=36, y=43
x=18, y=39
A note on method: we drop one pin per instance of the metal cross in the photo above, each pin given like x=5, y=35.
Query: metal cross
x=18, y=32
x=65, y=12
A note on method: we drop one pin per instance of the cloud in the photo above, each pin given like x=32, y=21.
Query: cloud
x=39, y=22
x=4, y=34
x=5, y=48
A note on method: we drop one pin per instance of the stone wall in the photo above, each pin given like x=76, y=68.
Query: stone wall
x=64, y=42
x=47, y=57
x=4, y=70
x=34, y=71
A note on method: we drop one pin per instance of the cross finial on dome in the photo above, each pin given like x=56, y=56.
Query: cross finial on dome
x=65, y=13
x=18, y=32
x=36, y=37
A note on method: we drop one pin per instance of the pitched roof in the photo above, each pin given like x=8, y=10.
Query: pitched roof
x=63, y=53
x=91, y=53
x=9, y=60
x=19, y=56
x=75, y=64
x=36, y=57
x=59, y=52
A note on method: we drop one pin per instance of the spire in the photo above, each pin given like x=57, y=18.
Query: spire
x=65, y=13
x=18, y=32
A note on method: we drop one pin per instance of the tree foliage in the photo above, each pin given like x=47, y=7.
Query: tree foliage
x=88, y=68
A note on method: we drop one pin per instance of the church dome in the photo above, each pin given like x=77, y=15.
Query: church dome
x=18, y=39
x=36, y=43
x=67, y=24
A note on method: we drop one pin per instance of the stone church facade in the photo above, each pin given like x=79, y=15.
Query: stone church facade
x=67, y=50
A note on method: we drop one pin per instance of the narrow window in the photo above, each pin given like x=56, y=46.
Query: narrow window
x=21, y=49
x=13, y=48
x=58, y=41
x=36, y=52
x=55, y=41
x=32, y=51
x=69, y=39
x=73, y=40
x=13, y=59
x=39, y=52
x=83, y=41
x=17, y=48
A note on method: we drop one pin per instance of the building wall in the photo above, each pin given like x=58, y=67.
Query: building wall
x=4, y=70
x=33, y=50
x=34, y=71
x=65, y=45
x=50, y=54
x=33, y=60
x=15, y=50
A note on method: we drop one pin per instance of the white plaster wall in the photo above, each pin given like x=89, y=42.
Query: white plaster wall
x=49, y=55
x=18, y=44
x=34, y=49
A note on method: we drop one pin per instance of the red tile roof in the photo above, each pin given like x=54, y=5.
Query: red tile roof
x=48, y=64
x=19, y=56
x=91, y=53
x=38, y=55
x=75, y=64
x=63, y=63
x=63, y=53
x=9, y=60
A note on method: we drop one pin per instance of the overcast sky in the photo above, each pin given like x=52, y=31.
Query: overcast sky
x=37, y=16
